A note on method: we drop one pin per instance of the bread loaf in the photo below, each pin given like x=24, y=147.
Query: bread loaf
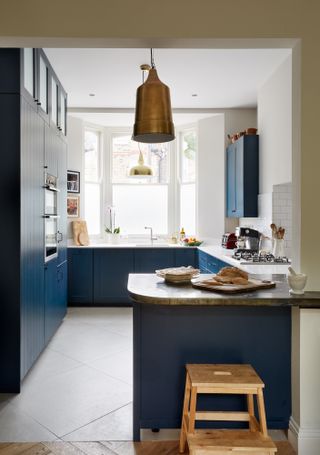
x=233, y=272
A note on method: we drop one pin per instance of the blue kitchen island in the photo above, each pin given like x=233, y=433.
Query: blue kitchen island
x=175, y=325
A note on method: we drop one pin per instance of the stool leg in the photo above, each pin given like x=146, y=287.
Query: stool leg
x=193, y=406
x=262, y=413
x=184, y=420
x=251, y=411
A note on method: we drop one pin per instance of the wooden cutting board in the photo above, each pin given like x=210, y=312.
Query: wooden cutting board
x=253, y=285
x=80, y=233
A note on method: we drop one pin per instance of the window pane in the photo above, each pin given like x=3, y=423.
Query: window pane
x=91, y=156
x=54, y=101
x=28, y=70
x=126, y=154
x=43, y=85
x=140, y=206
x=188, y=145
x=188, y=208
x=92, y=207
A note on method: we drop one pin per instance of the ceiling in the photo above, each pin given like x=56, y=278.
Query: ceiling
x=221, y=78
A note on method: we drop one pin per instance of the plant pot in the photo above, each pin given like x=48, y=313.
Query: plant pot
x=113, y=238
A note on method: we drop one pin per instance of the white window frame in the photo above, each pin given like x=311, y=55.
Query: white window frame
x=106, y=184
x=179, y=132
x=116, y=132
x=100, y=180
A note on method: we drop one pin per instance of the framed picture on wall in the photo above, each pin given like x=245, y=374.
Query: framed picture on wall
x=73, y=206
x=73, y=181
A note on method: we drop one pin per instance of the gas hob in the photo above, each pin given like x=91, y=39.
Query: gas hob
x=260, y=259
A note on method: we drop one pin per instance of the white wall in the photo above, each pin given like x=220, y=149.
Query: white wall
x=211, y=177
x=212, y=140
x=275, y=128
x=75, y=158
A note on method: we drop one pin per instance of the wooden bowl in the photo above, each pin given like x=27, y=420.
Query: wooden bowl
x=251, y=131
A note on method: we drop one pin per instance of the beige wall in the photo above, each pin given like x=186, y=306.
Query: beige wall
x=141, y=22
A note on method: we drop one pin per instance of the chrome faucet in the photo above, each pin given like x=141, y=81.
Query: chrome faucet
x=151, y=234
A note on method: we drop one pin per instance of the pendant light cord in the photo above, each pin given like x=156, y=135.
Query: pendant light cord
x=152, y=59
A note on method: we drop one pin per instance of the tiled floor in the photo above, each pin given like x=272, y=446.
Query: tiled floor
x=81, y=387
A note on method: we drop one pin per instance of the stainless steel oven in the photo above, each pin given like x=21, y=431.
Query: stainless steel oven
x=51, y=217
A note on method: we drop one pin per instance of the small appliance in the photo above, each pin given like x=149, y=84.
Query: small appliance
x=248, y=240
x=229, y=240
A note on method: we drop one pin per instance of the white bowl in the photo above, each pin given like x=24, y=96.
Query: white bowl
x=297, y=283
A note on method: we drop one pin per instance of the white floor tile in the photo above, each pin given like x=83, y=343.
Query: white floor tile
x=63, y=392
x=73, y=399
x=114, y=426
x=88, y=342
x=15, y=426
x=49, y=364
x=118, y=366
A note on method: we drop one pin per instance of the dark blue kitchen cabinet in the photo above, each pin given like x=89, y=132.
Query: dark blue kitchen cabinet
x=242, y=163
x=111, y=269
x=29, y=316
x=209, y=264
x=186, y=256
x=32, y=232
x=55, y=296
x=80, y=276
x=147, y=260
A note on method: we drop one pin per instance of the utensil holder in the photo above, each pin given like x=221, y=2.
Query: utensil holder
x=278, y=248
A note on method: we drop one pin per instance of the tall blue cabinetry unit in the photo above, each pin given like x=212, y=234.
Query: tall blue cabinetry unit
x=33, y=296
x=243, y=177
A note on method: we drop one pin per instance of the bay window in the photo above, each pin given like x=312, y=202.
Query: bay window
x=93, y=180
x=165, y=200
x=187, y=179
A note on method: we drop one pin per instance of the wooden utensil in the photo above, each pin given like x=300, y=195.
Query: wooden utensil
x=80, y=233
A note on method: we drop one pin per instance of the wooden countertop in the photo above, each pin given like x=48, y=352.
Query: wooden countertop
x=148, y=288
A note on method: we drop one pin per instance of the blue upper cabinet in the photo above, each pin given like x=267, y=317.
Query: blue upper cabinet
x=243, y=177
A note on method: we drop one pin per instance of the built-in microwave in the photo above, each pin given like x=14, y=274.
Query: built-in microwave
x=51, y=217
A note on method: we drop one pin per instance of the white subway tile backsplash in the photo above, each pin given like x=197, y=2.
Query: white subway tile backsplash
x=274, y=207
x=282, y=211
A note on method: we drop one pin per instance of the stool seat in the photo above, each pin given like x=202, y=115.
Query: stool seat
x=234, y=441
x=230, y=376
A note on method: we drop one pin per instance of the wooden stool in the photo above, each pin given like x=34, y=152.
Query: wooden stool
x=224, y=379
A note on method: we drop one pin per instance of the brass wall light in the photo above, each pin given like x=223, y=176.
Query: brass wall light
x=153, y=116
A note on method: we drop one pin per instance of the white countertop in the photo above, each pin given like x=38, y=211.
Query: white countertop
x=130, y=245
x=226, y=256
x=214, y=250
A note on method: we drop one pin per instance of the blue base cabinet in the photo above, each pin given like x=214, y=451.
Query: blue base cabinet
x=111, y=269
x=80, y=276
x=99, y=276
x=147, y=260
x=210, y=264
x=55, y=297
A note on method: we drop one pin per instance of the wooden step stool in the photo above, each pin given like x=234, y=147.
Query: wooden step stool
x=224, y=379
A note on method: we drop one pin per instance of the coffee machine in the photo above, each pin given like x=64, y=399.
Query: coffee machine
x=248, y=240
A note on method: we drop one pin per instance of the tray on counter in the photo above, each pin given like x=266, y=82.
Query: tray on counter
x=253, y=285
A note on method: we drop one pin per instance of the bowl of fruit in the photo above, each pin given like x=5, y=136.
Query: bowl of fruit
x=191, y=241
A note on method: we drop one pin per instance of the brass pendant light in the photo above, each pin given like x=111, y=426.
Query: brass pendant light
x=153, y=117
x=140, y=170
